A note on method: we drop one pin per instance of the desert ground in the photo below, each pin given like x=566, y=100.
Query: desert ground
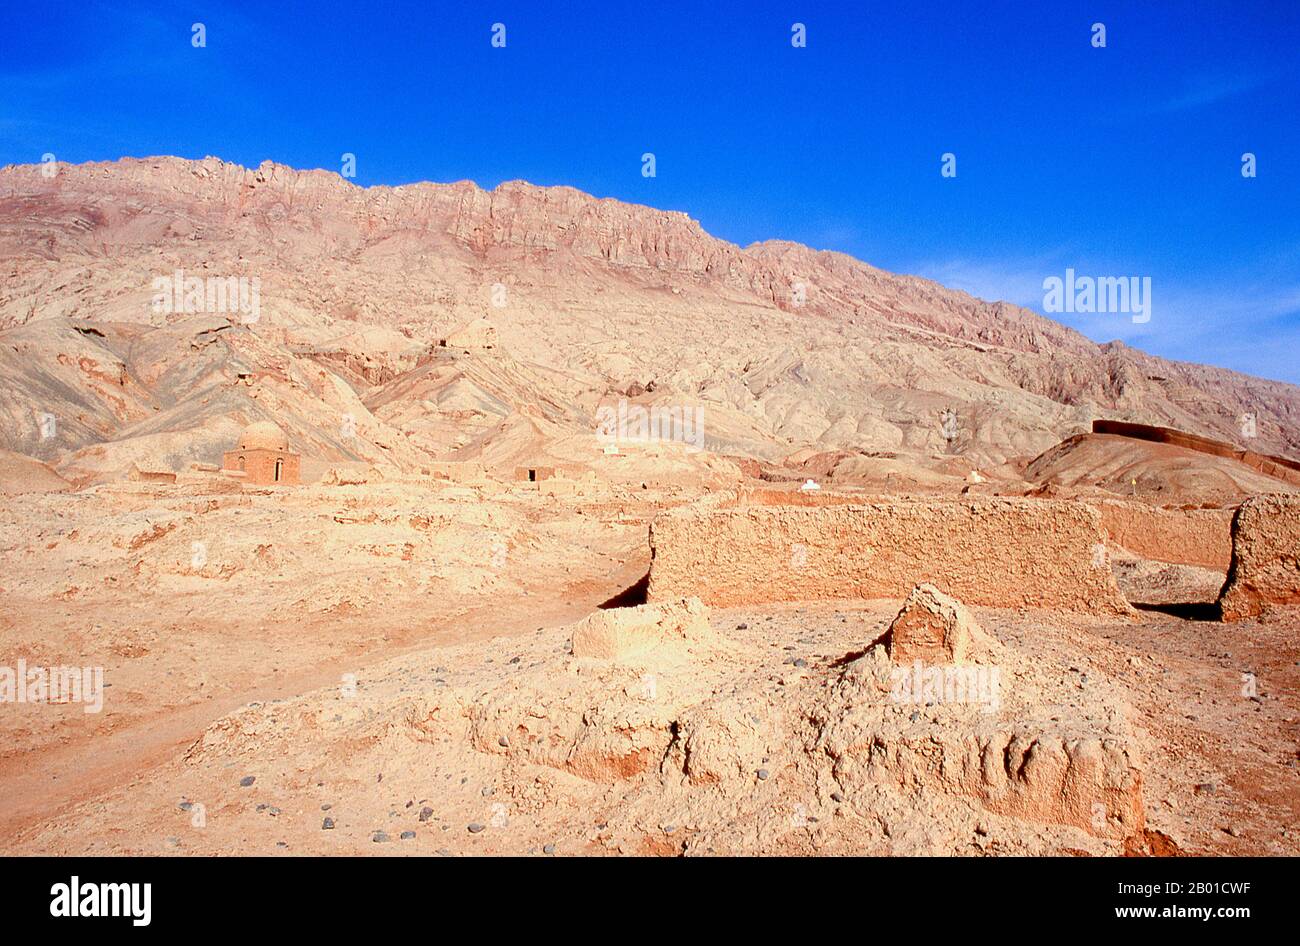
x=391, y=569
x=391, y=662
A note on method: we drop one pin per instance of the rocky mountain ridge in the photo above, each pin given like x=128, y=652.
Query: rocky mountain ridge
x=786, y=347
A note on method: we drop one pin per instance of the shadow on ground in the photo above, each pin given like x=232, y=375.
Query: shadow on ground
x=629, y=597
x=1187, y=610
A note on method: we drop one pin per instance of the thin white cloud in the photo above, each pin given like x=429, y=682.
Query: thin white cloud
x=1248, y=321
x=1019, y=281
x=1209, y=90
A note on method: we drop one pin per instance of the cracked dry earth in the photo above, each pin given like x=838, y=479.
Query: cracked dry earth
x=768, y=734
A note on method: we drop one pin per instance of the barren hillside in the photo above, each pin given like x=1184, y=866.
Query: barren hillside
x=784, y=346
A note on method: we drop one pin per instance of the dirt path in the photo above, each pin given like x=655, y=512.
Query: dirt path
x=77, y=768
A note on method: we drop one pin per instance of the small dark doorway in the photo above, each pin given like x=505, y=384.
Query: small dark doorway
x=279, y=465
x=532, y=476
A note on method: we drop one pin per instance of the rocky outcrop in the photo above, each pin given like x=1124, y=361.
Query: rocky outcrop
x=479, y=333
x=1045, y=758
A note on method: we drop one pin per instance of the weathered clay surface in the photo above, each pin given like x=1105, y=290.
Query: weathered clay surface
x=998, y=553
x=628, y=633
x=1282, y=468
x=1265, y=557
x=1029, y=759
x=931, y=627
x=695, y=740
x=1200, y=537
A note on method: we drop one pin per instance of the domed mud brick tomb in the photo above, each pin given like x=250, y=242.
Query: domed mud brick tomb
x=263, y=456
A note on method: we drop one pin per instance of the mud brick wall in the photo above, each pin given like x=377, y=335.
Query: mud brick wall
x=1182, y=536
x=1265, y=565
x=995, y=553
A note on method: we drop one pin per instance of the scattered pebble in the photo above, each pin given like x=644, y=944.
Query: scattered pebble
x=327, y=824
x=247, y=780
x=475, y=827
x=762, y=774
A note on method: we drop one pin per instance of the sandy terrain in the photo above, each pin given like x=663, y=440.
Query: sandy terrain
x=1221, y=777
x=218, y=673
x=381, y=562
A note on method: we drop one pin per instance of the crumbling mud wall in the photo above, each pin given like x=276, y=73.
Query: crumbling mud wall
x=1265, y=567
x=1084, y=781
x=1022, y=743
x=1283, y=468
x=996, y=553
x=750, y=496
x=1181, y=536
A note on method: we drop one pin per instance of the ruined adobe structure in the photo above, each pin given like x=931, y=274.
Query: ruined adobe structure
x=1036, y=753
x=626, y=634
x=479, y=333
x=151, y=476
x=1281, y=468
x=263, y=457
x=1265, y=566
x=1005, y=553
x=1201, y=537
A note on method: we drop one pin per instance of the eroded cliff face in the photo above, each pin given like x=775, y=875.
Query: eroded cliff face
x=518, y=215
x=786, y=347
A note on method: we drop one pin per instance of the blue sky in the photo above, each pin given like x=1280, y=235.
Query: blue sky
x=1122, y=161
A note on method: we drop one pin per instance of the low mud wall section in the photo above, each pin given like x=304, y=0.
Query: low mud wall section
x=995, y=553
x=1265, y=567
x=1180, y=536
